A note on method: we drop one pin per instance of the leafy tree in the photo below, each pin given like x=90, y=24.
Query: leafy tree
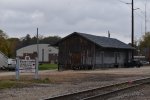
x=4, y=47
x=144, y=45
x=145, y=41
x=26, y=40
x=33, y=40
x=50, y=40
x=9, y=45
x=14, y=44
x=2, y=34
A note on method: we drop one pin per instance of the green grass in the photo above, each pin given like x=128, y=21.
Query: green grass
x=11, y=84
x=44, y=81
x=5, y=84
x=48, y=66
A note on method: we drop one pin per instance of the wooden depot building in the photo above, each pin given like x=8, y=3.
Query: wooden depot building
x=85, y=51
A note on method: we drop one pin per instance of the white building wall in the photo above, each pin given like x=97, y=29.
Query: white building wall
x=44, y=51
x=103, y=57
x=53, y=50
x=109, y=57
x=98, y=60
x=121, y=58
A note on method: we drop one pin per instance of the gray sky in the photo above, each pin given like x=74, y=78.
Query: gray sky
x=62, y=17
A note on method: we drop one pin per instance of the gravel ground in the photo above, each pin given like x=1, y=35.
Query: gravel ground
x=140, y=93
x=74, y=81
x=49, y=90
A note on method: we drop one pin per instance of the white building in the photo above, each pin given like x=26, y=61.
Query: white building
x=46, y=53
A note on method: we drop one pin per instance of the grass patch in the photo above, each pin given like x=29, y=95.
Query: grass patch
x=44, y=81
x=5, y=84
x=12, y=84
x=48, y=66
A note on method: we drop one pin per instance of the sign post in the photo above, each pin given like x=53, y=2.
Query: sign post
x=26, y=66
x=17, y=68
x=36, y=68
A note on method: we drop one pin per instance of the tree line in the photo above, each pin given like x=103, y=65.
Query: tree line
x=144, y=45
x=9, y=45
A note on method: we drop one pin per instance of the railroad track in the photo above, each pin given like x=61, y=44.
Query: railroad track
x=102, y=93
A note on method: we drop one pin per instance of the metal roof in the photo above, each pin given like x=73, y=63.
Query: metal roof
x=105, y=42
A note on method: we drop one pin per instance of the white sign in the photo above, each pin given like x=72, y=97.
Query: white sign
x=27, y=66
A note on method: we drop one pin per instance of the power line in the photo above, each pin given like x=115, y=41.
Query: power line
x=141, y=14
x=134, y=9
x=145, y=17
x=132, y=23
x=124, y=2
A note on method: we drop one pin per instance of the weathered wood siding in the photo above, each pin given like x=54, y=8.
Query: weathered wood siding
x=76, y=51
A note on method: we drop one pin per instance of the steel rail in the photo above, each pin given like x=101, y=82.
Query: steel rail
x=86, y=94
x=111, y=94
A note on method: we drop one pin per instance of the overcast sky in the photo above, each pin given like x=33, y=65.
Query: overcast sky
x=62, y=17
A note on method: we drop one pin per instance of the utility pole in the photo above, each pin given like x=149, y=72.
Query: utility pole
x=145, y=17
x=132, y=32
x=37, y=42
x=37, y=59
x=132, y=25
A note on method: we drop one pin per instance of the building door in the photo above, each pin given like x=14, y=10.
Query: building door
x=76, y=59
